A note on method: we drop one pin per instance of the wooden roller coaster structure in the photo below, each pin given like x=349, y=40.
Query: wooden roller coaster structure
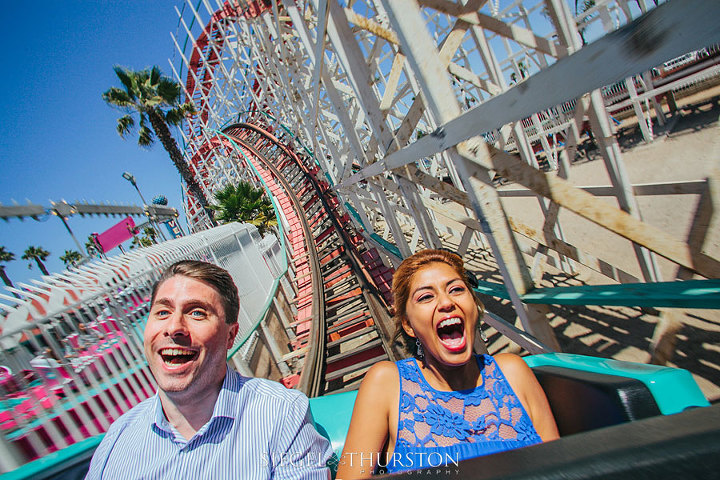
x=414, y=115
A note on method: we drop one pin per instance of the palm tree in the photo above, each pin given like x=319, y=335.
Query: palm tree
x=523, y=68
x=245, y=203
x=91, y=247
x=140, y=241
x=148, y=237
x=5, y=256
x=71, y=258
x=586, y=5
x=39, y=255
x=156, y=100
x=579, y=8
x=151, y=233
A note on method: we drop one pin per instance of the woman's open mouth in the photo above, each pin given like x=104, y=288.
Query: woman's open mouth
x=451, y=333
x=175, y=357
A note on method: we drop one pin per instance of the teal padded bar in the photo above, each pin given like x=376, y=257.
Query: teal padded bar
x=492, y=289
x=682, y=294
x=674, y=389
x=332, y=415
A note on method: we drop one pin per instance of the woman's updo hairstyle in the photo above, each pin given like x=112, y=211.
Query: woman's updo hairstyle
x=401, y=286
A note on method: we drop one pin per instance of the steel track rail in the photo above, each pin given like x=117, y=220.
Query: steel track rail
x=312, y=375
x=346, y=336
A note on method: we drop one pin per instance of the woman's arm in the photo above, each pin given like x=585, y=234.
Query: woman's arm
x=370, y=424
x=531, y=395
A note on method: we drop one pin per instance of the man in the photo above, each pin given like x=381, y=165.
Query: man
x=206, y=420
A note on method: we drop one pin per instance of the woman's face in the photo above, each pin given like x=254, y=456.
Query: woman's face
x=442, y=313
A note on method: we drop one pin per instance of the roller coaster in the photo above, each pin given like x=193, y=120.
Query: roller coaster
x=379, y=128
x=343, y=303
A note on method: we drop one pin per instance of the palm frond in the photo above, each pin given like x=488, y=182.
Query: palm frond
x=125, y=125
x=154, y=101
x=146, y=137
x=176, y=115
x=244, y=203
x=155, y=75
x=126, y=78
x=188, y=108
x=117, y=97
x=142, y=87
x=71, y=258
x=168, y=90
x=33, y=252
x=144, y=84
x=6, y=255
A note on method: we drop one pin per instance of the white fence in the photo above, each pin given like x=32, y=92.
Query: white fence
x=71, y=356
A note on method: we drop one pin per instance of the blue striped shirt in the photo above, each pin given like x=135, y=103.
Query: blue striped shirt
x=258, y=430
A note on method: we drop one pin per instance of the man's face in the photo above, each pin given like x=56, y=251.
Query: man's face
x=187, y=339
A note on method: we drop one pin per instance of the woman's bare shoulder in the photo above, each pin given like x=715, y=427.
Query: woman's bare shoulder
x=380, y=386
x=512, y=364
x=382, y=374
x=378, y=393
x=515, y=370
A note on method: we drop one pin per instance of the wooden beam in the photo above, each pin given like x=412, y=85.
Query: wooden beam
x=521, y=35
x=690, y=187
x=549, y=240
x=582, y=203
x=371, y=26
x=667, y=31
x=452, y=8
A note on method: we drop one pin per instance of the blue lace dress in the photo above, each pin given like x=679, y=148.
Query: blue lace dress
x=438, y=429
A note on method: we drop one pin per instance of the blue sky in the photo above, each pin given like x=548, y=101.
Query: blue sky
x=57, y=135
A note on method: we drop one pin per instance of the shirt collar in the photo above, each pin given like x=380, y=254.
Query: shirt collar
x=160, y=420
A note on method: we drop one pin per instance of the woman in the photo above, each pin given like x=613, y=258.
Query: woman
x=447, y=404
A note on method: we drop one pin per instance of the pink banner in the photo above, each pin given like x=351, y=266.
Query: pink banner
x=115, y=235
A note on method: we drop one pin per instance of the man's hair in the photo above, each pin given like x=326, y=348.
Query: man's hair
x=214, y=276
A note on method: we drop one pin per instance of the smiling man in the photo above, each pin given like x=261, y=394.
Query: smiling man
x=206, y=420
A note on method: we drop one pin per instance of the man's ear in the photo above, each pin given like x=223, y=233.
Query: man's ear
x=407, y=327
x=232, y=331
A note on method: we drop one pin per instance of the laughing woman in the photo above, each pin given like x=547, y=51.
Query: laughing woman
x=446, y=404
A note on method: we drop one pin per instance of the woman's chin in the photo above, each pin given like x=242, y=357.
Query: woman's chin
x=455, y=354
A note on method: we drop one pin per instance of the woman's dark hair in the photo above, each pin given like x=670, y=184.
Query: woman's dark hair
x=216, y=277
x=403, y=277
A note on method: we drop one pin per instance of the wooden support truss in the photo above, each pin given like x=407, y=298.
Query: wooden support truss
x=416, y=111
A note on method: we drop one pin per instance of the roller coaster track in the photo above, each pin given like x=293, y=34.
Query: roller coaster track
x=341, y=311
